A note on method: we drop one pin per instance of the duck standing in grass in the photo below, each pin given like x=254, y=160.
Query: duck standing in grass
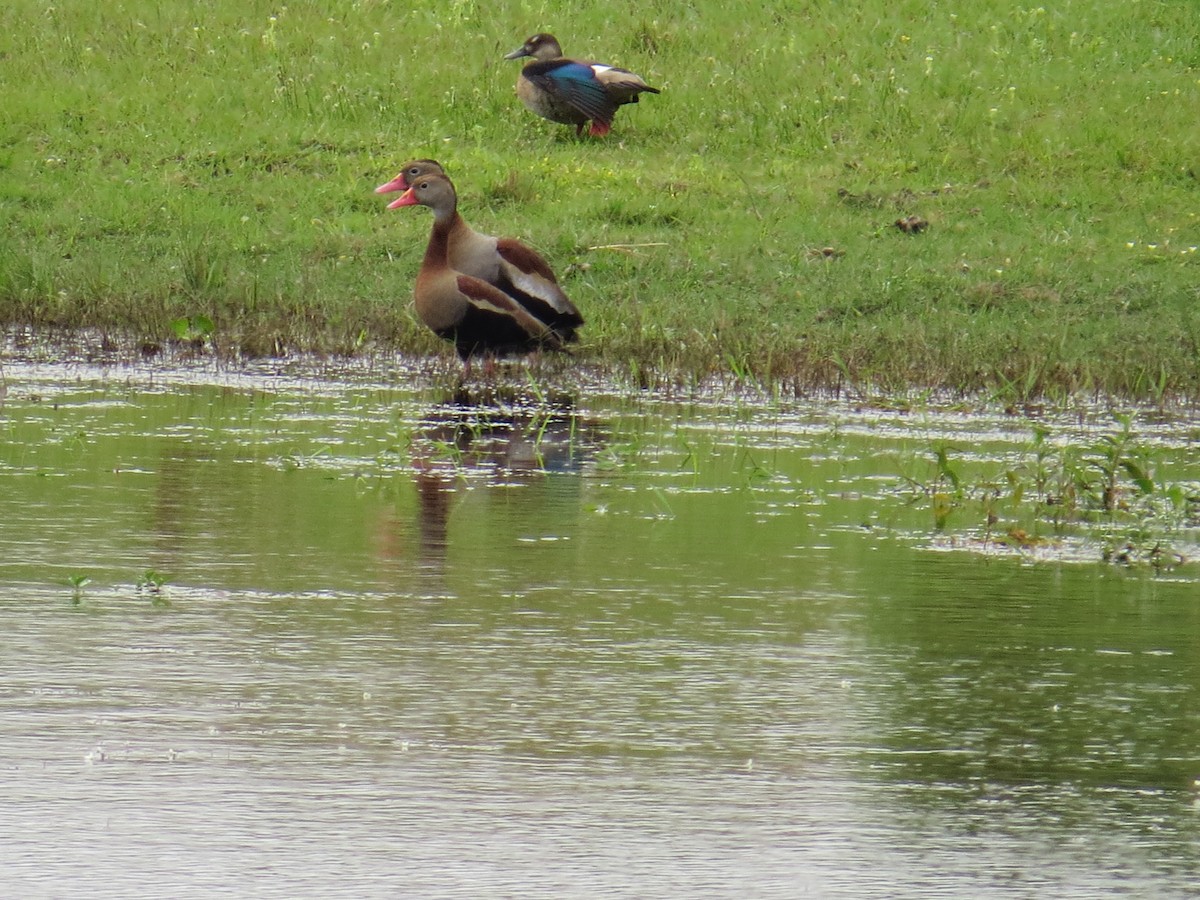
x=479, y=318
x=505, y=263
x=573, y=91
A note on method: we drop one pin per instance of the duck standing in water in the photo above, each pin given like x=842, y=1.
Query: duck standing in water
x=479, y=318
x=573, y=91
x=505, y=263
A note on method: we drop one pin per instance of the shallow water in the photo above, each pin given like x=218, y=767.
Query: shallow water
x=345, y=635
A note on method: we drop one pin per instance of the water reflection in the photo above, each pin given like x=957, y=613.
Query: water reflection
x=179, y=498
x=431, y=646
x=1011, y=681
x=495, y=430
x=496, y=440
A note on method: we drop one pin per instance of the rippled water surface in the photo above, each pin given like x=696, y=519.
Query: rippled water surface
x=342, y=633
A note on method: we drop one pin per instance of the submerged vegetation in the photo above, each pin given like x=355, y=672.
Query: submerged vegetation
x=1107, y=493
x=874, y=195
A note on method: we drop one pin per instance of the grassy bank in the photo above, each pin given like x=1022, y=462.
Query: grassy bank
x=217, y=160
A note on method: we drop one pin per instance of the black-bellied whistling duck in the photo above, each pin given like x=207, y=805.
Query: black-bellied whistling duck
x=506, y=263
x=479, y=318
x=573, y=91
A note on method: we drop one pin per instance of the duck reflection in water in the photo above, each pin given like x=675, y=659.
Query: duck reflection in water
x=528, y=454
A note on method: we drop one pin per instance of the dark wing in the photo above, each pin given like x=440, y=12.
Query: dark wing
x=534, y=286
x=495, y=321
x=524, y=258
x=574, y=84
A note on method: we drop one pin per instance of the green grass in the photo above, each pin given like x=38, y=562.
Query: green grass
x=161, y=161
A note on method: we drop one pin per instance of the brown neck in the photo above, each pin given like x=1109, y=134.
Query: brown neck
x=437, y=251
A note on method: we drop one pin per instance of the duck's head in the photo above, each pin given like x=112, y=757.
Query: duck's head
x=432, y=190
x=541, y=46
x=412, y=170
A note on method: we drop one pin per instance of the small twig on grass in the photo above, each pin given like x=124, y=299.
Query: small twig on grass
x=628, y=248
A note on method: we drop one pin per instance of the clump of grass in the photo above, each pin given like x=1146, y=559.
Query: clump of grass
x=77, y=583
x=1051, y=151
x=154, y=583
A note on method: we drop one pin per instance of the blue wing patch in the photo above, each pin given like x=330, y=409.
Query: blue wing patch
x=573, y=83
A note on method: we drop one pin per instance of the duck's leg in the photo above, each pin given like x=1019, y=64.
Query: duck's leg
x=489, y=366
